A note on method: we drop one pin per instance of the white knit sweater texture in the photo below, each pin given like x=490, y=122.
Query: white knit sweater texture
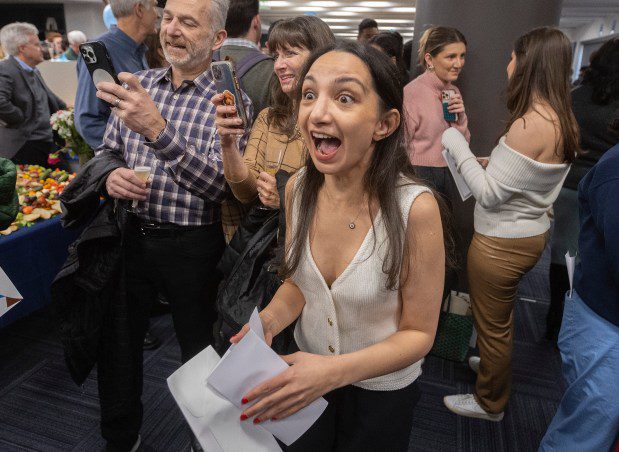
x=357, y=311
x=513, y=193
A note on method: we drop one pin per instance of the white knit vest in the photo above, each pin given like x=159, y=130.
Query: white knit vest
x=358, y=311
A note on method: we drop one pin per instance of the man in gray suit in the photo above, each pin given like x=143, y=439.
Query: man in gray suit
x=26, y=103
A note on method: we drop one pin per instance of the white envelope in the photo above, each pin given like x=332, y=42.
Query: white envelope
x=214, y=420
x=251, y=362
x=570, y=263
x=9, y=295
x=461, y=185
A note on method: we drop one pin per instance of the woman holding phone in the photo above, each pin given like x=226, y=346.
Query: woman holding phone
x=442, y=52
x=513, y=194
x=275, y=142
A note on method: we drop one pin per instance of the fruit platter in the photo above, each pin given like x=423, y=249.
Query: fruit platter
x=38, y=189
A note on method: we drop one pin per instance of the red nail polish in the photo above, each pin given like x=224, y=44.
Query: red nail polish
x=257, y=421
x=244, y=400
x=273, y=418
x=243, y=417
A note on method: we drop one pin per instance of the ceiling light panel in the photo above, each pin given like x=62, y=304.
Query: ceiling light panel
x=308, y=8
x=342, y=13
x=324, y=4
x=274, y=4
x=377, y=4
x=357, y=9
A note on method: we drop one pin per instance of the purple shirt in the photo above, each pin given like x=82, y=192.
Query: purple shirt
x=188, y=184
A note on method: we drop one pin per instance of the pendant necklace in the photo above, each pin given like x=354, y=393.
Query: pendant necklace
x=352, y=225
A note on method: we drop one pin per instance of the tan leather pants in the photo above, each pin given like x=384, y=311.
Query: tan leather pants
x=495, y=267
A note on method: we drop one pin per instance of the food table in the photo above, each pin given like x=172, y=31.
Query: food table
x=31, y=257
x=34, y=247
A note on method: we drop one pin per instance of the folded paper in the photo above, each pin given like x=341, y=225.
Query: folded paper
x=9, y=295
x=250, y=363
x=461, y=185
x=213, y=419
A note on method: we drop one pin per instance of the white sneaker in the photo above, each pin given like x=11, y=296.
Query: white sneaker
x=474, y=363
x=466, y=405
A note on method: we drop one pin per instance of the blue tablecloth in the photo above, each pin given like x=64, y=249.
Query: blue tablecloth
x=31, y=258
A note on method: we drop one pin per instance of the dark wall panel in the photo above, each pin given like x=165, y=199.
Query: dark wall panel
x=46, y=17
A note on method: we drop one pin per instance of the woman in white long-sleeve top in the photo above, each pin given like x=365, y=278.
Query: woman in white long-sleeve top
x=513, y=194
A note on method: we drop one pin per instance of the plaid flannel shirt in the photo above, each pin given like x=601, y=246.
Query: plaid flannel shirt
x=188, y=185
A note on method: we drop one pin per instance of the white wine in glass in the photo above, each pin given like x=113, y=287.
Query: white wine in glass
x=142, y=173
x=271, y=168
x=272, y=161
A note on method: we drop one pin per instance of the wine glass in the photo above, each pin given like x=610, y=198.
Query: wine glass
x=272, y=162
x=142, y=173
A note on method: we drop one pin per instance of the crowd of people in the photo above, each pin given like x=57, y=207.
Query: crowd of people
x=347, y=154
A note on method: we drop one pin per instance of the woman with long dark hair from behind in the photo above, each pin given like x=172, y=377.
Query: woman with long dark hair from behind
x=513, y=194
x=593, y=102
x=364, y=265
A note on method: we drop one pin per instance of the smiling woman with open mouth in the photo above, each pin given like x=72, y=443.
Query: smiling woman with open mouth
x=365, y=261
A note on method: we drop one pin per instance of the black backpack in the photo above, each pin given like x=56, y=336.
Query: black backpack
x=250, y=265
x=250, y=274
x=243, y=66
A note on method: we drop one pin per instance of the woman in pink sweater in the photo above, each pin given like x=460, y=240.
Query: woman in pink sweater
x=441, y=53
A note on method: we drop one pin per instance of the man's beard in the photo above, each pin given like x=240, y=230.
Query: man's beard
x=194, y=57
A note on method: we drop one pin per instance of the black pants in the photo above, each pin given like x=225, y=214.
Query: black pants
x=34, y=153
x=359, y=420
x=440, y=180
x=182, y=266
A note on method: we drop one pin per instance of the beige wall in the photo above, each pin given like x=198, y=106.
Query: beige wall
x=61, y=78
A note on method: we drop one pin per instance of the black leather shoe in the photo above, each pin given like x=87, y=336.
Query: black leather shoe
x=151, y=341
x=195, y=445
x=160, y=307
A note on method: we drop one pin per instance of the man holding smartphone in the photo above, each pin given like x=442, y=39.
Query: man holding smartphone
x=164, y=119
x=125, y=44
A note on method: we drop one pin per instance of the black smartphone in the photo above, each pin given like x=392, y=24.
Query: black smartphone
x=98, y=62
x=227, y=84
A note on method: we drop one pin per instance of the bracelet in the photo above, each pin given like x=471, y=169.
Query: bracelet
x=236, y=182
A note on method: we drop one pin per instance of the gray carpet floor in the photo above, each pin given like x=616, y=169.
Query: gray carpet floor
x=41, y=409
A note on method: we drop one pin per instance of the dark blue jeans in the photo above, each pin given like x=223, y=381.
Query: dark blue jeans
x=181, y=266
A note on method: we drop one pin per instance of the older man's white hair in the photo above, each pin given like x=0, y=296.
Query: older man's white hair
x=124, y=8
x=15, y=35
x=76, y=37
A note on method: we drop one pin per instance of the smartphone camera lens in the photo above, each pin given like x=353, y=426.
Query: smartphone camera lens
x=89, y=55
x=217, y=75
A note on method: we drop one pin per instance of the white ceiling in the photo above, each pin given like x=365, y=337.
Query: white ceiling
x=576, y=13
x=344, y=15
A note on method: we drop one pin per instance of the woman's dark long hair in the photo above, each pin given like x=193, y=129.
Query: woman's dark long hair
x=542, y=73
x=603, y=73
x=307, y=32
x=389, y=161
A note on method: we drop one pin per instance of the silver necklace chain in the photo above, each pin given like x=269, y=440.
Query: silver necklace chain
x=352, y=225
